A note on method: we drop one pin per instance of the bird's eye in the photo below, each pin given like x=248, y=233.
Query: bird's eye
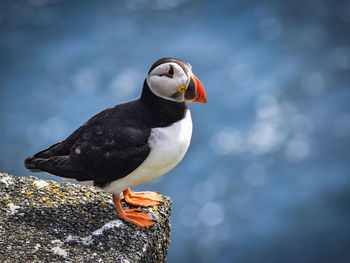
x=170, y=72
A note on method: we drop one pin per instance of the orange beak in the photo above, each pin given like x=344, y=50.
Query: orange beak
x=195, y=91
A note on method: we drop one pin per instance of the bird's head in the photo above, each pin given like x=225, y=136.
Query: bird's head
x=172, y=79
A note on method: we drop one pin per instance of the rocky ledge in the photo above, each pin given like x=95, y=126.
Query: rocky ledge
x=46, y=221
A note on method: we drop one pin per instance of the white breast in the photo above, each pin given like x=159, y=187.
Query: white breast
x=168, y=147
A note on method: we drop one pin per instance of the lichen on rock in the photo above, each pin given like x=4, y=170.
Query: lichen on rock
x=46, y=221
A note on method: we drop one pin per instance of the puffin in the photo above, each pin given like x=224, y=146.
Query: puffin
x=131, y=143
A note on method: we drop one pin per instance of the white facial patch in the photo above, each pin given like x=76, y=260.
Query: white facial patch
x=164, y=86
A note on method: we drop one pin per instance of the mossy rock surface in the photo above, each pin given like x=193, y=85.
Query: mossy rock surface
x=46, y=221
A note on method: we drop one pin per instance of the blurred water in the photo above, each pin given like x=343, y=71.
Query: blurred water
x=266, y=178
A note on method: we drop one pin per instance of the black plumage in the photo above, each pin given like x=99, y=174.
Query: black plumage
x=111, y=144
x=183, y=64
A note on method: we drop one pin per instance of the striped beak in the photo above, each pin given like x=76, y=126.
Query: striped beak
x=195, y=91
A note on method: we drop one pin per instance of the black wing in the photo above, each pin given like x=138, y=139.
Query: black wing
x=104, y=149
x=105, y=155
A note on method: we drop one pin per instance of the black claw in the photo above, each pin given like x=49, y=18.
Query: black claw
x=138, y=210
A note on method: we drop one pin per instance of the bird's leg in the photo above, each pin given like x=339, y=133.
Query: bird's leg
x=134, y=216
x=143, y=199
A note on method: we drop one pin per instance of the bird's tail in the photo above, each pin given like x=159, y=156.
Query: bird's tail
x=29, y=163
x=56, y=165
x=32, y=163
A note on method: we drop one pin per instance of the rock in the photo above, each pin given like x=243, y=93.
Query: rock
x=46, y=221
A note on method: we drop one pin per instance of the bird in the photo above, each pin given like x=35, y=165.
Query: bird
x=131, y=143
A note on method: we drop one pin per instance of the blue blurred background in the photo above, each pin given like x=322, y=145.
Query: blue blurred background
x=266, y=178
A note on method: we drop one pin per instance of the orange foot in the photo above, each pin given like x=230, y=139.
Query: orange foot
x=143, y=199
x=134, y=216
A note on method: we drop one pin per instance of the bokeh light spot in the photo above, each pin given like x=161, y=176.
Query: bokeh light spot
x=212, y=214
x=297, y=149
